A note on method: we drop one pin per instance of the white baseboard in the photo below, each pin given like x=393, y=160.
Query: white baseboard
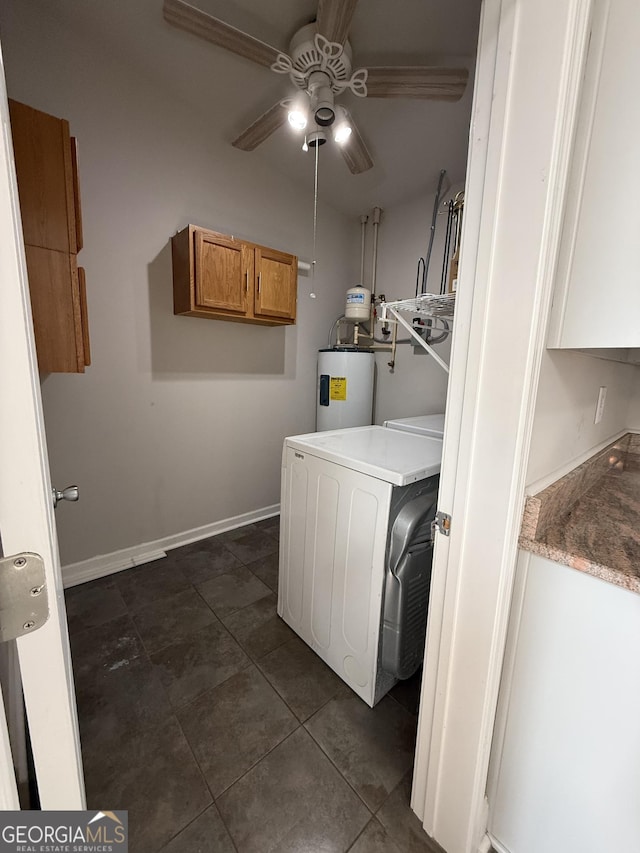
x=548, y=479
x=496, y=846
x=108, y=564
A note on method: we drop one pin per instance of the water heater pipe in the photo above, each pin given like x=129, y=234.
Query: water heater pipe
x=377, y=213
x=363, y=224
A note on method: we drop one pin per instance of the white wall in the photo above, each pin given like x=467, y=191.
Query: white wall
x=179, y=421
x=563, y=429
x=418, y=384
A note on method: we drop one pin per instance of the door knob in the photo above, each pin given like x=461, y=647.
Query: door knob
x=71, y=493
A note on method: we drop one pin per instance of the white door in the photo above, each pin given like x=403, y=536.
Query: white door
x=27, y=524
x=527, y=85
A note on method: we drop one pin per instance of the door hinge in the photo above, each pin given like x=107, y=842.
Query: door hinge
x=24, y=603
x=442, y=523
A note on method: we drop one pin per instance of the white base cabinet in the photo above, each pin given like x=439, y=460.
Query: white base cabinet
x=566, y=761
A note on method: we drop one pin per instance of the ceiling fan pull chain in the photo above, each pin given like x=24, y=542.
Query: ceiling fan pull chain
x=315, y=222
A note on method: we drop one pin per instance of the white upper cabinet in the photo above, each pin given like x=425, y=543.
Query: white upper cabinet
x=597, y=293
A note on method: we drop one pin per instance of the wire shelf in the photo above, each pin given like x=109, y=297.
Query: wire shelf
x=425, y=305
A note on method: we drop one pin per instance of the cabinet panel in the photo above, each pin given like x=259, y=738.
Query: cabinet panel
x=76, y=194
x=597, y=298
x=221, y=273
x=42, y=151
x=84, y=315
x=57, y=312
x=276, y=284
x=47, y=177
x=570, y=701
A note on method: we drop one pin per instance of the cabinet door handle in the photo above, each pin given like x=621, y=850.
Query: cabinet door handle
x=259, y=282
x=246, y=279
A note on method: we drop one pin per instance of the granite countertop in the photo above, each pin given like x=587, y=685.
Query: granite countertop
x=590, y=518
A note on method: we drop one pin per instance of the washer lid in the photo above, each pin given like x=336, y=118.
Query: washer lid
x=422, y=425
x=386, y=454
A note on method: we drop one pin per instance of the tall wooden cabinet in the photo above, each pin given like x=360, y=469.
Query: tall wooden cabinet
x=47, y=174
x=223, y=278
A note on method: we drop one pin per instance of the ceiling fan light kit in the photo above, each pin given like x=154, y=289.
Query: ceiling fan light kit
x=298, y=111
x=319, y=64
x=342, y=127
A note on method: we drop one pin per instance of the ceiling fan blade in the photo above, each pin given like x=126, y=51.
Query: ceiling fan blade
x=185, y=17
x=262, y=128
x=355, y=152
x=417, y=81
x=334, y=18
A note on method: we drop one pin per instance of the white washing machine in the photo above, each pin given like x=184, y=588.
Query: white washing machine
x=355, y=549
x=421, y=425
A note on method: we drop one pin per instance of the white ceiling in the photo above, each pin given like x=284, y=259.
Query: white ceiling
x=410, y=140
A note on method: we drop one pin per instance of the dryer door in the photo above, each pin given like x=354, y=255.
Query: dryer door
x=407, y=583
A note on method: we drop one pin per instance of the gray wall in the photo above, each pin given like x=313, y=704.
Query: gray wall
x=179, y=421
x=418, y=385
x=563, y=429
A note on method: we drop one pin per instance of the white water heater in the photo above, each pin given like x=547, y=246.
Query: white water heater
x=345, y=388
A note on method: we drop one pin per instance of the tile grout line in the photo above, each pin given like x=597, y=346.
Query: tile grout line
x=215, y=686
x=333, y=763
x=253, y=766
x=303, y=725
x=184, y=828
x=273, y=686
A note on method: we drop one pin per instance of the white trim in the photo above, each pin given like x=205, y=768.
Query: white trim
x=485, y=845
x=15, y=712
x=499, y=848
x=462, y=376
x=108, y=564
x=508, y=667
x=532, y=119
x=26, y=511
x=8, y=789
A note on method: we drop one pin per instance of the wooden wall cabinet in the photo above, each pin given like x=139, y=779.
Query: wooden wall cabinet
x=222, y=278
x=47, y=175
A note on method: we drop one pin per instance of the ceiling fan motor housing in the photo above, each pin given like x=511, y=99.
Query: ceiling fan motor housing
x=321, y=94
x=306, y=57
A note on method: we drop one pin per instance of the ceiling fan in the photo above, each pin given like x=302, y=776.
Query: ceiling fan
x=319, y=63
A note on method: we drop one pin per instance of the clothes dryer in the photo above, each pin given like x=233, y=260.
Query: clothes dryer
x=355, y=550
x=421, y=425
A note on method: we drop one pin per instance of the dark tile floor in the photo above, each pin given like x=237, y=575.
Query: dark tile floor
x=207, y=718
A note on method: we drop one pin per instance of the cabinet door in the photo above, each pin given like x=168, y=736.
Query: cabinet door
x=44, y=167
x=597, y=298
x=86, y=348
x=57, y=310
x=76, y=194
x=223, y=271
x=276, y=284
